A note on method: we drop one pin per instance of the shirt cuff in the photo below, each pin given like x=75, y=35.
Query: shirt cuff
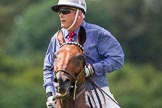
x=98, y=69
x=50, y=89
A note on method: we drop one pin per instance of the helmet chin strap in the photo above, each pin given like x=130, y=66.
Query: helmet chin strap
x=76, y=16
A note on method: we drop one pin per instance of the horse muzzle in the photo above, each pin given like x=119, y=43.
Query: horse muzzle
x=62, y=86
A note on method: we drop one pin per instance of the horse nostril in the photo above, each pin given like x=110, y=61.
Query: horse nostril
x=58, y=80
x=66, y=80
x=55, y=80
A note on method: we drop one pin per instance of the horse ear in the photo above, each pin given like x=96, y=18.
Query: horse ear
x=60, y=37
x=82, y=36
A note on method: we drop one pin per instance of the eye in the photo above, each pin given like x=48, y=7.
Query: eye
x=79, y=59
x=54, y=57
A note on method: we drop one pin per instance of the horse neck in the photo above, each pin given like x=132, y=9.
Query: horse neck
x=79, y=102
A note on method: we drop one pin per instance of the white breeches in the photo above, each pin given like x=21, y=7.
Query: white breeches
x=106, y=103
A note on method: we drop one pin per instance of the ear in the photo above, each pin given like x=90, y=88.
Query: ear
x=60, y=37
x=82, y=36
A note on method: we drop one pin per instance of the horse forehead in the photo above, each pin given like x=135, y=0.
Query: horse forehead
x=67, y=49
x=72, y=49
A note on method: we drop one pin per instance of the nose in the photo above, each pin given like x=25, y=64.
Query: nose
x=61, y=15
x=61, y=84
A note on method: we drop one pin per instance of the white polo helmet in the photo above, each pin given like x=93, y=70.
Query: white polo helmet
x=81, y=4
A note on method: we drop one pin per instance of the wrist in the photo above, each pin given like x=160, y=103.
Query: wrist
x=50, y=89
x=49, y=94
x=89, y=70
x=50, y=99
x=92, y=69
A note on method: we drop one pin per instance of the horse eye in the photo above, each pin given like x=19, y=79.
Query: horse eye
x=55, y=57
x=78, y=59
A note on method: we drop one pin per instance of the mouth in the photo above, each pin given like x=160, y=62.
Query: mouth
x=63, y=90
x=61, y=95
x=63, y=21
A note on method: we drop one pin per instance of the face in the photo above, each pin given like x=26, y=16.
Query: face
x=69, y=63
x=66, y=15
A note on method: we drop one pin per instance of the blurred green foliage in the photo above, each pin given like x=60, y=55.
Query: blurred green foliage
x=137, y=86
x=33, y=30
x=27, y=26
x=10, y=10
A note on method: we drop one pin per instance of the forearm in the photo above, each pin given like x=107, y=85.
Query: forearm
x=48, y=69
x=108, y=65
x=111, y=54
x=48, y=81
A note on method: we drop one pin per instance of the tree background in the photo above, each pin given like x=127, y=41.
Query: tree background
x=26, y=27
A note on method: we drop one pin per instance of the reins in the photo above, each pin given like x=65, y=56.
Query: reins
x=97, y=95
x=102, y=92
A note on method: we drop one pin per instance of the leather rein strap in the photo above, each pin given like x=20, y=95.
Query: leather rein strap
x=97, y=95
x=102, y=92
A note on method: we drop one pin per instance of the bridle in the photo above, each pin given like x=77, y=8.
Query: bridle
x=66, y=72
x=73, y=43
x=74, y=78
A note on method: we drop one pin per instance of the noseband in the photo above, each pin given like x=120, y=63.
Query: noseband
x=69, y=73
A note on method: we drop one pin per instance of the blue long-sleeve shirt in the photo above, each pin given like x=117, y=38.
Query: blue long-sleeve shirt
x=102, y=51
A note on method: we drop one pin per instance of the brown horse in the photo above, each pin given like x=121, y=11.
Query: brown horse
x=69, y=63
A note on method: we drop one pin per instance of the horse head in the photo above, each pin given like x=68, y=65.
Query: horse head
x=69, y=62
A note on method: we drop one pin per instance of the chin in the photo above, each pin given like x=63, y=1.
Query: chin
x=64, y=26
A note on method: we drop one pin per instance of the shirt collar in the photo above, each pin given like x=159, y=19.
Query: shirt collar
x=66, y=32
